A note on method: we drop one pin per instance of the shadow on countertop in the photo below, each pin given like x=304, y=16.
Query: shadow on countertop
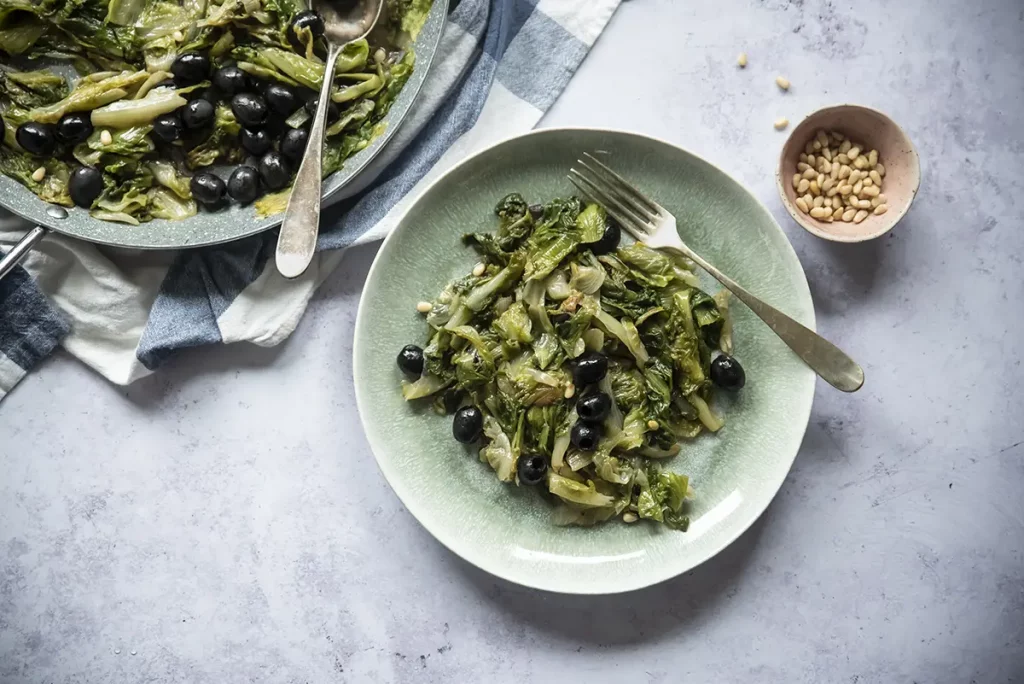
x=665, y=610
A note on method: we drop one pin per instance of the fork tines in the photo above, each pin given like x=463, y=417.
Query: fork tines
x=623, y=201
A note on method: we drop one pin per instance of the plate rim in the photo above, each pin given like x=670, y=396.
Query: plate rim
x=633, y=582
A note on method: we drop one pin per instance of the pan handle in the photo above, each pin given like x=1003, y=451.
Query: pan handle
x=18, y=252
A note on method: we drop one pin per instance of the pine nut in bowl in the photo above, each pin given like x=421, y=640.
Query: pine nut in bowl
x=848, y=173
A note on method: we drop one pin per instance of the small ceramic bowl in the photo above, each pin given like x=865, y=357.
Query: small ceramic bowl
x=895, y=152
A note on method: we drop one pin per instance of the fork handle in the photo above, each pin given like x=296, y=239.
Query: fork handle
x=824, y=358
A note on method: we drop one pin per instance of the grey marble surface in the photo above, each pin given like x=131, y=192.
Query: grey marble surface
x=223, y=521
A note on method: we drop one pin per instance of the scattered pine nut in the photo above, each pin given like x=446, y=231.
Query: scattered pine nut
x=178, y=36
x=39, y=174
x=781, y=123
x=741, y=61
x=570, y=391
x=782, y=82
x=653, y=424
x=479, y=269
x=424, y=307
x=629, y=517
x=106, y=138
x=880, y=169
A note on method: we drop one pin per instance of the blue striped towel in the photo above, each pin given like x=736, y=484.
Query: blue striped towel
x=500, y=65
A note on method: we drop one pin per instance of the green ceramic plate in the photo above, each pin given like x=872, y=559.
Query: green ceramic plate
x=504, y=529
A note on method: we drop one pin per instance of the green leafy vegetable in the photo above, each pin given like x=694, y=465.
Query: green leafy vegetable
x=506, y=341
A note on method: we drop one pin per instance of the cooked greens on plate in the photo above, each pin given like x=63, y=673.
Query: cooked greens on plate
x=576, y=362
x=125, y=106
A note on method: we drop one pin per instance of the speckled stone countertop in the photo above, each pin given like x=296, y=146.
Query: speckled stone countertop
x=223, y=521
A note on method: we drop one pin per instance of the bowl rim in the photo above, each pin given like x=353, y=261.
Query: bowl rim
x=807, y=223
x=468, y=553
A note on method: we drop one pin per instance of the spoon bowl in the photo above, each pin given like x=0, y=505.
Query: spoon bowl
x=345, y=22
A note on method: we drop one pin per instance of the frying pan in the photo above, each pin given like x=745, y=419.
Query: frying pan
x=206, y=228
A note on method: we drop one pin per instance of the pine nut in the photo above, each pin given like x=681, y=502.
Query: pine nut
x=810, y=174
x=872, y=158
x=423, y=307
x=837, y=214
x=875, y=176
x=811, y=160
x=844, y=172
x=106, y=138
x=802, y=187
x=803, y=157
x=819, y=212
x=819, y=201
x=803, y=166
x=838, y=136
x=845, y=189
x=833, y=191
x=821, y=180
x=853, y=152
x=860, y=216
x=780, y=123
x=835, y=171
x=178, y=36
x=849, y=214
x=871, y=191
x=864, y=204
x=782, y=82
x=801, y=205
x=880, y=209
x=627, y=517
x=874, y=202
x=39, y=174
x=822, y=137
x=479, y=269
x=828, y=184
x=569, y=391
x=808, y=148
x=815, y=190
x=796, y=180
x=860, y=163
x=809, y=199
x=842, y=158
x=741, y=61
x=816, y=145
x=880, y=169
x=827, y=165
x=857, y=187
x=845, y=148
x=881, y=198
x=867, y=182
x=855, y=176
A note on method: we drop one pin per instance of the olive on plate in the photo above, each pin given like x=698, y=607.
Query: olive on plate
x=36, y=138
x=468, y=424
x=293, y=144
x=190, y=68
x=609, y=241
x=281, y=99
x=168, y=127
x=595, y=407
x=207, y=189
x=727, y=373
x=410, y=359
x=307, y=20
x=249, y=109
x=532, y=469
x=255, y=142
x=74, y=128
x=230, y=80
x=244, y=184
x=591, y=367
x=274, y=171
x=585, y=436
x=85, y=185
x=197, y=114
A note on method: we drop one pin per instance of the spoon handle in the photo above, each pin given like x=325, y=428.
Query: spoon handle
x=297, y=241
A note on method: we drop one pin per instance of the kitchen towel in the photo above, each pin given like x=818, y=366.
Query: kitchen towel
x=499, y=66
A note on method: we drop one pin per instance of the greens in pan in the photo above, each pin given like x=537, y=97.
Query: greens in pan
x=163, y=90
x=577, y=363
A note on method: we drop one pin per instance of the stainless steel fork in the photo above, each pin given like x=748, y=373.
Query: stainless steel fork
x=650, y=223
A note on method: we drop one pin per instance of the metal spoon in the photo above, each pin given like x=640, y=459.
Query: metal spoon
x=301, y=223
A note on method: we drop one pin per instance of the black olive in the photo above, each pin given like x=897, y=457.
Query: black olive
x=249, y=109
x=467, y=424
x=332, y=108
x=197, y=114
x=74, y=128
x=244, y=184
x=410, y=359
x=293, y=144
x=85, y=185
x=590, y=368
x=36, y=138
x=594, y=407
x=190, y=68
x=609, y=242
x=532, y=469
x=727, y=373
x=230, y=80
x=207, y=189
x=274, y=171
x=536, y=211
x=281, y=99
x=255, y=142
x=305, y=20
x=168, y=127
x=585, y=436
